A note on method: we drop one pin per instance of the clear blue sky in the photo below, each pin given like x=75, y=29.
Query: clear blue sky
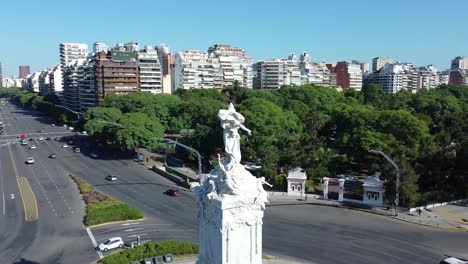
x=418, y=31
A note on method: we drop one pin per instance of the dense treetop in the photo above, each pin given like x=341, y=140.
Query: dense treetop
x=320, y=129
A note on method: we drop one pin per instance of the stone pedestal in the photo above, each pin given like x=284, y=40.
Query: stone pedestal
x=230, y=233
x=325, y=188
x=340, y=189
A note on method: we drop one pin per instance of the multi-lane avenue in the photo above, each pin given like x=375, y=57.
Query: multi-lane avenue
x=41, y=217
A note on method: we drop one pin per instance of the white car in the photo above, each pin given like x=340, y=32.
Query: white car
x=111, y=243
x=84, y=133
x=64, y=146
x=24, y=143
x=33, y=147
x=30, y=160
x=70, y=128
x=453, y=260
x=94, y=155
x=53, y=125
x=111, y=178
x=41, y=139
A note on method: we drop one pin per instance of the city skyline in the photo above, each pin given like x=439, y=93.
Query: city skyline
x=333, y=31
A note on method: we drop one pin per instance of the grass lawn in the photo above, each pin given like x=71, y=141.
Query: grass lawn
x=100, y=208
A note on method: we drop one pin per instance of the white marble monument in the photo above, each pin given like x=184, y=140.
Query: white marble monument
x=296, y=182
x=230, y=203
x=340, y=189
x=325, y=187
x=373, y=190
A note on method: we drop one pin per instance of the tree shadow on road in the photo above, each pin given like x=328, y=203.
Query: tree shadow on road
x=25, y=261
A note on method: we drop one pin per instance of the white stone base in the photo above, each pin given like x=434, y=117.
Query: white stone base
x=231, y=233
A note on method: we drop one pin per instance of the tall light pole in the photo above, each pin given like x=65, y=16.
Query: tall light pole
x=66, y=108
x=165, y=140
x=186, y=147
x=397, y=184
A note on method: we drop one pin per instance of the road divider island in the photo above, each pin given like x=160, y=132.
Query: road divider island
x=101, y=208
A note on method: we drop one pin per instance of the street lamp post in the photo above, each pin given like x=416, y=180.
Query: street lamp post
x=66, y=108
x=167, y=140
x=186, y=147
x=397, y=184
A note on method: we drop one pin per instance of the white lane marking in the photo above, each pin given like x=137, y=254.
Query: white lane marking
x=126, y=224
x=3, y=202
x=138, y=235
x=90, y=234
x=134, y=229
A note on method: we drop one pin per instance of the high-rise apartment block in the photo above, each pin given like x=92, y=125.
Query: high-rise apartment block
x=395, y=77
x=71, y=89
x=24, y=71
x=194, y=69
x=235, y=65
x=348, y=75
x=150, y=71
x=459, y=71
x=70, y=52
x=166, y=59
x=72, y=57
x=428, y=77
x=100, y=47
x=273, y=74
x=313, y=72
x=379, y=62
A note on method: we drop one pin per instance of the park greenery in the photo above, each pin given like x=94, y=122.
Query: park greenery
x=322, y=130
x=101, y=208
x=149, y=250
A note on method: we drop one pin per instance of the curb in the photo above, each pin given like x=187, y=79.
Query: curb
x=116, y=222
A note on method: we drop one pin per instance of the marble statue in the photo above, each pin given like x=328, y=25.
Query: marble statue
x=231, y=202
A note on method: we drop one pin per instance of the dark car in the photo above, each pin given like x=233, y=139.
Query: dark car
x=52, y=156
x=48, y=138
x=173, y=192
x=40, y=131
x=56, y=138
x=77, y=150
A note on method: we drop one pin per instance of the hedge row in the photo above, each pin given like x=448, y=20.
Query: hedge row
x=151, y=249
x=101, y=208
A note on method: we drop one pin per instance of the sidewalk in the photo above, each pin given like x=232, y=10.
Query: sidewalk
x=450, y=217
x=266, y=260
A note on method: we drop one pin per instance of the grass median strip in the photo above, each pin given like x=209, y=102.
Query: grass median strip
x=151, y=249
x=101, y=208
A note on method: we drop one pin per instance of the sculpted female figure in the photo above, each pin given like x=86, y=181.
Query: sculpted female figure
x=231, y=121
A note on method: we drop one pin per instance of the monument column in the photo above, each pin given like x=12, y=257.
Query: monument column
x=231, y=202
x=325, y=188
x=341, y=189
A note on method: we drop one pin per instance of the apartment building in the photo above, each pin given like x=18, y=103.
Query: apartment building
x=72, y=57
x=273, y=74
x=100, y=47
x=56, y=81
x=348, y=75
x=150, y=71
x=166, y=59
x=71, y=89
x=44, y=81
x=459, y=71
x=427, y=77
x=395, y=77
x=313, y=72
x=194, y=69
x=379, y=62
x=235, y=65
x=70, y=52
x=24, y=71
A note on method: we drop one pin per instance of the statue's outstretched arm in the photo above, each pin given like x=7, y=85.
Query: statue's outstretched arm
x=245, y=129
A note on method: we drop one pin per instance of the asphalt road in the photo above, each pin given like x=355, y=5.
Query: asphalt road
x=310, y=234
x=57, y=234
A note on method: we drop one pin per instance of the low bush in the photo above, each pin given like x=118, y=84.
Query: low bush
x=151, y=249
x=100, y=208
